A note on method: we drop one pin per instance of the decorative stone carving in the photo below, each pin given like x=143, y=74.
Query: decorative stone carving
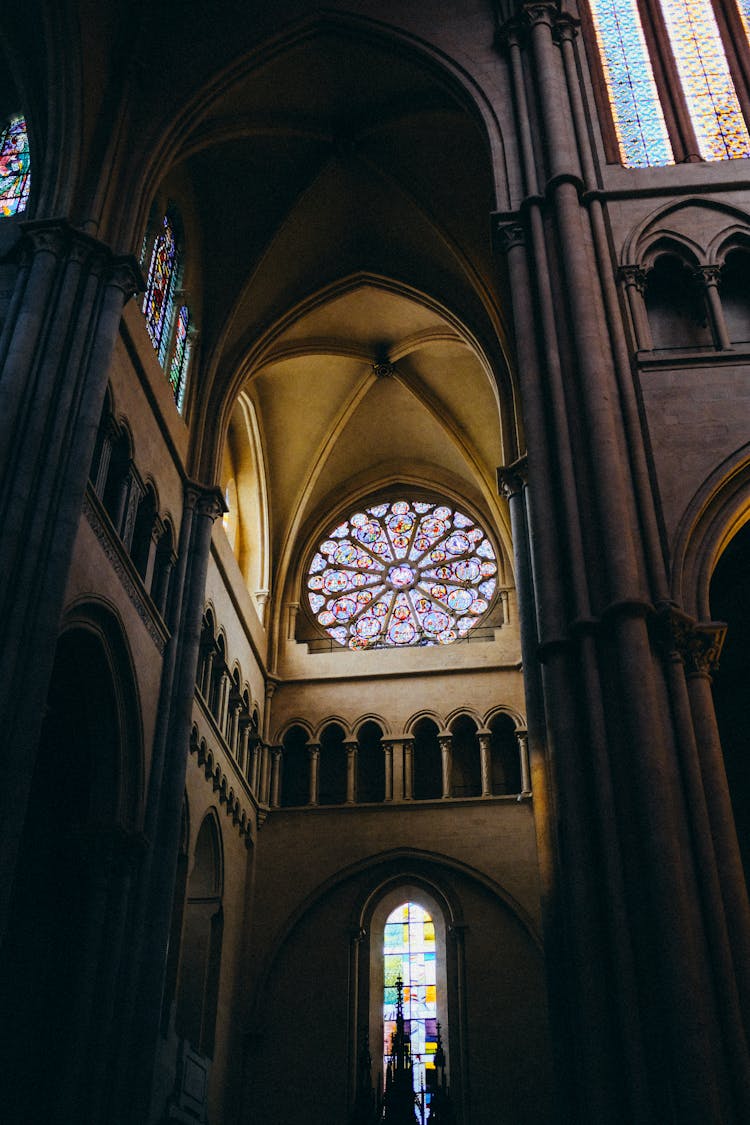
x=698, y=644
x=512, y=479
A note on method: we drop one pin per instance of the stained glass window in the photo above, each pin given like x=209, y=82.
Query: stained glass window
x=180, y=357
x=158, y=303
x=402, y=572
x=409, y=953
x=707, y=84
x=744, y=10
x=15, y=163
x=634, y=99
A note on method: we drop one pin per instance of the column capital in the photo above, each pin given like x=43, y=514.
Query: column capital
x=511, y=479
x=709, y=275
x=508, y=230
x=541, y=13
x=697, y=644
x=206, y=499
x=634, y=275
x=313, y=749
x=60, y=238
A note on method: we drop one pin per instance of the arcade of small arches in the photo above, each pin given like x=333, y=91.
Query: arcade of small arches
x=463, y=757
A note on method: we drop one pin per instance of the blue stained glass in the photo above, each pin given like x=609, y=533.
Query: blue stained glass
x=410, y=930
x=638, y=117
x=353, y=584
x=707, y=84
x=15, y=165
x=158, y=303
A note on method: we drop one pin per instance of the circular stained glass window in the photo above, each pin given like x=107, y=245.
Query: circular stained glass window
x=400, y=573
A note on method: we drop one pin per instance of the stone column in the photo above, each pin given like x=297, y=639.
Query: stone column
x=523, y=755
x=634, y=280
x=55, y=351
x=313, y=750
x=105, y=453
x=485, y=761
x=709, y=277
x=407, y=747
x=255, y=767
x=388, y=763
x=351, y=772
x=243, y=755
x=446, y=751
x=163, y=818
x=275, y=776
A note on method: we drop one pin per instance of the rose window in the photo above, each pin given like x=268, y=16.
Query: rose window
x=403, y=572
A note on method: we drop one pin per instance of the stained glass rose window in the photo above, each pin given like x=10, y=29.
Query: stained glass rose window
x=402, y=572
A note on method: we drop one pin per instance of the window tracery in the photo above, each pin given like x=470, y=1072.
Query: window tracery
x=402, y=573
x=15, y=167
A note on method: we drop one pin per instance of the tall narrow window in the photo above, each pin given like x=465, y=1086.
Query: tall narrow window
x=15, y=163
x=160, y=289
x=409, y=954
x=180, y=357
x=706, y=81
x=634, y=99
x=669, y=80
x=743, y=7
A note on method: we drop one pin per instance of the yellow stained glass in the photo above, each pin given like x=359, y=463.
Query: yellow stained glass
x=706, y=81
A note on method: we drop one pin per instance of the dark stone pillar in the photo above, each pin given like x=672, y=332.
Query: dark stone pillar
x=55, y=352
x=152, y=921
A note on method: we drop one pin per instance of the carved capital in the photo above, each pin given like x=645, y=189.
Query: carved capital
x=566, y=27
x=509, y=33
x=708, y=275
x=508, y=232
x=125, y=273
x=544, y=13
x=697, y=644
x=634, y=276
x=207, y=500
x=47, y=236
x=512, y=479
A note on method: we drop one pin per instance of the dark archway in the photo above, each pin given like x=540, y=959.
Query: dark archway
x=370, y=763
x=61, y=957
x=428, y=768
x=730, y=601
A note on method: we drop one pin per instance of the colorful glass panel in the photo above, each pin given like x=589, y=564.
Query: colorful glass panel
x=409, y=952
x=15, y=165
x=162, y=279
x=180, y=357
x=743, y=6
x=639, y=120
x=402, y=573
x=707, y=84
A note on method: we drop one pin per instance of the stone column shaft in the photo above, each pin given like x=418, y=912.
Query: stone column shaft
x=485, y=761
x=275, y=776
x=446, y=754
x=55, y=352
x=313, y=750
x=388, y=761
x=408, y=768
x=351, y=772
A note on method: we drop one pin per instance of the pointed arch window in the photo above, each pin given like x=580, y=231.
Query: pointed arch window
x=675, y=73
x=15, y=167
x=410, y=957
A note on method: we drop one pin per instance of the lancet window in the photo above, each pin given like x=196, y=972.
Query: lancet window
x=409, y=956
x=168, y=323
x=675, y=72
x=15, y=167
